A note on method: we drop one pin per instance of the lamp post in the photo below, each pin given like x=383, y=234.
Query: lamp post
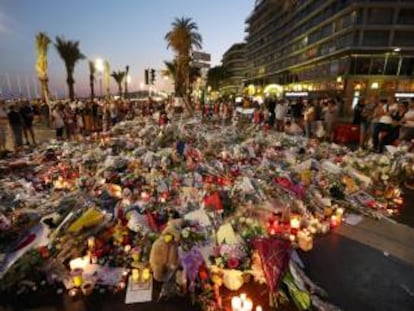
x=128, y=81
x=99, y=65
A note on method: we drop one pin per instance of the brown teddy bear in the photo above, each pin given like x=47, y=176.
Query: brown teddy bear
x=164, y=251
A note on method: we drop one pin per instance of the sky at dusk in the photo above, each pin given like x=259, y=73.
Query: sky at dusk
x=125, y=32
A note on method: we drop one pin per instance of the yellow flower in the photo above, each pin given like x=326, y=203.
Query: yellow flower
x=168, y=238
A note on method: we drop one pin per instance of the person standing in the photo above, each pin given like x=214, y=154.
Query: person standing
x=366, y=117
x=297, y=110
x=281, y=111
x=3, y=126
x=16, y=125
x=309, y=118
x=382, y=113
x=271, y=106
x=58, y=122
x=393, y=132
x=330, y=117
x=27, y=113
x=45, y=113
x=113, y=113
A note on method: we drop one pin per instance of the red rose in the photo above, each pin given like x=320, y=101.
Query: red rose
x=232, y=263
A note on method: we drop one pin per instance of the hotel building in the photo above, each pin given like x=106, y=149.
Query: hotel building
x=346, y=48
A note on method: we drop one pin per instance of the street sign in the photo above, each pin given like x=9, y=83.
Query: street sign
x=197, y=56
x=200, y=65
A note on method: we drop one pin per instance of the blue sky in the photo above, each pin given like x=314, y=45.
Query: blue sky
x=126, y=32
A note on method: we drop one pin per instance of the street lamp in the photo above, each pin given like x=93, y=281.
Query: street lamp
x=100, y=67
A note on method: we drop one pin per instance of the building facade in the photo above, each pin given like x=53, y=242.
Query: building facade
x=234, y=63
x=349, y=48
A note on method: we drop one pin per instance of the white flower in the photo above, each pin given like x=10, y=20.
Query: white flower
x=384, y=160
x=185, y=233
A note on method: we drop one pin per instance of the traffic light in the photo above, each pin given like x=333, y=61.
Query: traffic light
x=146, y=76
x=152, y=76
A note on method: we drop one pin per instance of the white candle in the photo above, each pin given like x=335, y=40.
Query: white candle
x=259, y=308
x=236, y=304
x=243, y=297
x=248, y=305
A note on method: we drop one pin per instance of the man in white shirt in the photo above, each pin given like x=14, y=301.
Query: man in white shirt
x=280, y=112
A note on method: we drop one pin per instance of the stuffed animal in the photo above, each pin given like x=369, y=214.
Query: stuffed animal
x=164, y=251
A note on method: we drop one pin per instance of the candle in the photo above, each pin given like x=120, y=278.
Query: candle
x=236, y=304
x=87, y=288
x=335, y=221
x=259, y=308
x=248, y=305
x=243, y=297
x=305, y=241
x=127, y=248
x=340, y=211
x=146, y=275
x=295, y=222
x=121, y=285
x=135, y=275
x=77, y=277
x=79, y=263
x=91, y=242
x=136, y=254
x=73, y=292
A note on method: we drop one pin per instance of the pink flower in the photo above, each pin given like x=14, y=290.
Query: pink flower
x=232, y=263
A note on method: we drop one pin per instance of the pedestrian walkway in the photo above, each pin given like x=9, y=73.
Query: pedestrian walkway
x=391, y=238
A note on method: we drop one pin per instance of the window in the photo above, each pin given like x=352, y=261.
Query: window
x=392, y=65
x=379, y=16
x=376, y=38
x=407, y=67
x=404, y=38
x=406, y=17
x=360, y=65
x=377, y=66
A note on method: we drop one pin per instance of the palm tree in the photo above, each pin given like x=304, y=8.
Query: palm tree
x=70, y=53
x=92, y=70
x=119, y=77
x=170, y=69
x=42, y=45
x=182, y=39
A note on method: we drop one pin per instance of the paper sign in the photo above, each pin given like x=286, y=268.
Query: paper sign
x=138, y=292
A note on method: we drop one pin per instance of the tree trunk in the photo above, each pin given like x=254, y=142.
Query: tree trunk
x=45, y=89
x=120, y=89
x=70, y=81
x=92, y=85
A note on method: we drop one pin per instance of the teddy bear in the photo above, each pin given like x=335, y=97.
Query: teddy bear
x=164, y=252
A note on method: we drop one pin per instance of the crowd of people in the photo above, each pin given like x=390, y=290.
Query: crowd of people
x=384, y=122
x=381, y=122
